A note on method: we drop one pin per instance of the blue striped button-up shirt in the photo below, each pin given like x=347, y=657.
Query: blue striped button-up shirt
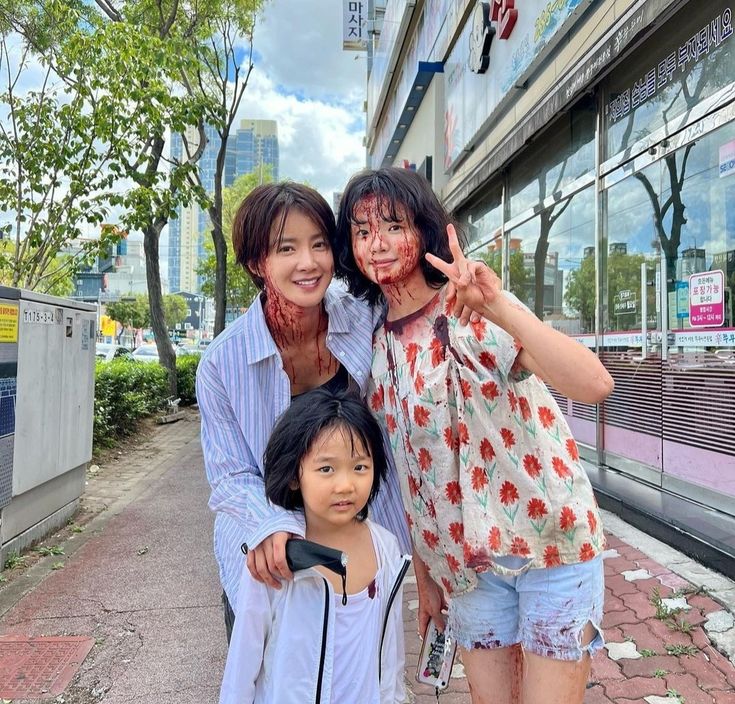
x=242, y=389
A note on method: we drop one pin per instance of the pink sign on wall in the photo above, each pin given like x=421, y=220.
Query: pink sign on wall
x=707, y=299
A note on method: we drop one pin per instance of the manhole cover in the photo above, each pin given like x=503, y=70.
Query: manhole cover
x=36, y=668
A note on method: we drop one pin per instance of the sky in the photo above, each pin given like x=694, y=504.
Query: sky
x=314, y=89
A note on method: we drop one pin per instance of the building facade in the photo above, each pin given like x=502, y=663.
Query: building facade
x=588, y=149
x=252, y=148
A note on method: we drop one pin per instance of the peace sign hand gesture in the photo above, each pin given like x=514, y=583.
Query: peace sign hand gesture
x=476, y=286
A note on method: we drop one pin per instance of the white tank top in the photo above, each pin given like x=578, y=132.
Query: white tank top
x=357, y=628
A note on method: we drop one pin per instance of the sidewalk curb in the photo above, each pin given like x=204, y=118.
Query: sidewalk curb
x=11, y=594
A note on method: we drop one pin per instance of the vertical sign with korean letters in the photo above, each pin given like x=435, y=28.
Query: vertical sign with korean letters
x=707, y=299
x=354, y=34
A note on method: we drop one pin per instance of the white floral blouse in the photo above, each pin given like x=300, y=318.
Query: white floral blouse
x=488, y=465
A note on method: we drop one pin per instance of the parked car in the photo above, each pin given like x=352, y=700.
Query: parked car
x=146, y=353
x=107, y=351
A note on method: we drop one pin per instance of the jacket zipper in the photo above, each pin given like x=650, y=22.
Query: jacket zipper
x=324, y=644
x=393, y=592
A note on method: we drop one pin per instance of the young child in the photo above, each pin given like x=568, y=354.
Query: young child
x=501, y=511
x=306, y=642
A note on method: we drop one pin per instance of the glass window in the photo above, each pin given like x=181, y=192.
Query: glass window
x=688, y=60
x=484, y=228
x=559, y=156
x=552, y=263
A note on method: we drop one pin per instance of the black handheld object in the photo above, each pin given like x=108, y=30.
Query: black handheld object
x=302, y=554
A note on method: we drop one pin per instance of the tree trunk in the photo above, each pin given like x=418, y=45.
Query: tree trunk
x=151, y=238
x=218, y=238
x=539, y=262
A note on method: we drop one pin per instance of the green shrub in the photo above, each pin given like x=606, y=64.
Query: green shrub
x=125, y=392
x=186, y=374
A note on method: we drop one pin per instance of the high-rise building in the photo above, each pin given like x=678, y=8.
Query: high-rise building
x=253, y=148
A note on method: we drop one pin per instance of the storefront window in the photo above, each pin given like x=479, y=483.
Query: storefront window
x=689, y=59
x=485, y=227
x=678, y=214
x=552, y=264
x=561, y=155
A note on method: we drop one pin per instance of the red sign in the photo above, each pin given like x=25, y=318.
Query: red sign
x=504, y=13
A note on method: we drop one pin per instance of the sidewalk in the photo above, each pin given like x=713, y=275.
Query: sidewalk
x=142, y=582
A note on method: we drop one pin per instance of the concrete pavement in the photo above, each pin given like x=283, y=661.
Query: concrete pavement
x=143, y=582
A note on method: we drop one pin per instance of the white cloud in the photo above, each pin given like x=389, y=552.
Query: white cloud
x=312, y=88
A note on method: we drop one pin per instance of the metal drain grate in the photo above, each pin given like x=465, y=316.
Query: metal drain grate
x=39, y=668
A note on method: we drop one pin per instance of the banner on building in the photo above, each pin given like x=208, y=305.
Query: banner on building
x=354, y=34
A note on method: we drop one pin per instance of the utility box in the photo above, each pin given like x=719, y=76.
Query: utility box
x=47, y=359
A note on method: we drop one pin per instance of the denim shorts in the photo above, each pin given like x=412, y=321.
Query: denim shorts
x=545, y=610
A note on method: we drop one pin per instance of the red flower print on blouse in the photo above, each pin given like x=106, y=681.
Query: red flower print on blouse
x=508, y=438
x=447, y=585
x=525, y=408
x=469, y=364
x=425, y=459
x=390, y=421
x=453, y=492
x=490, y=390
x=532, y=466
x=493, y=539
x=412, y=351
x=466, y=388
x=591, y=521
x=572, y=449
x=456, y=530
x=546, y=416
x=449, y=440
x=551, y=556
x=536, y=509
x=561, y=468
x=567, y=519
x=488, y=361
x=519, y=547
x=479, y=479
x=431, y=539
x=421, y=416
x=392, y=396
x=453, y=563
x=508, y=493
x=409, y=520
x=464, y=434
x=413, y=485
x=377, y=400
x=586, y=552
x=430, y=509
x=487, y=451
x=437, y=352
x=512, y=400
x=419, y=383
x=478, y=328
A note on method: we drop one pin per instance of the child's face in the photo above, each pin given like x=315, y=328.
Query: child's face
x=299, y=266
x=335, y=480
x=386, y=251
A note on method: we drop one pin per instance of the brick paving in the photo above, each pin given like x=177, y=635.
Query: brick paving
x=652, y=656
x=659, y=629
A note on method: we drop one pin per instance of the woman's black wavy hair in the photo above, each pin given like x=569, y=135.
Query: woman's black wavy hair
x=393, y=187
x=307, y=417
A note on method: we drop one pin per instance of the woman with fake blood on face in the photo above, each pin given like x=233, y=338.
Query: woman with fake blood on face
x=504, y=523
x=297, y=335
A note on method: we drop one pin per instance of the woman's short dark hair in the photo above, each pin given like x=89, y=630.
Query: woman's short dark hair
x=268, y=205
x=393, y=187
x=309, y=415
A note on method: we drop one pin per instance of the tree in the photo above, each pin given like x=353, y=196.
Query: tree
x=223, y=77
x=134, y=313
x=518, y=284
x=240, y=289
x=175, y=309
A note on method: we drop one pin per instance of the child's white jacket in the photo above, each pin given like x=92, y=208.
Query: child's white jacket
x=281, y=651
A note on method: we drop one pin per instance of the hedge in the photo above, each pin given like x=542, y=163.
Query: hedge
x=127, y=390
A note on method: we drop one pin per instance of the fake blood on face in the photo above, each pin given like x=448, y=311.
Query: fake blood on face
x=387, y=249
